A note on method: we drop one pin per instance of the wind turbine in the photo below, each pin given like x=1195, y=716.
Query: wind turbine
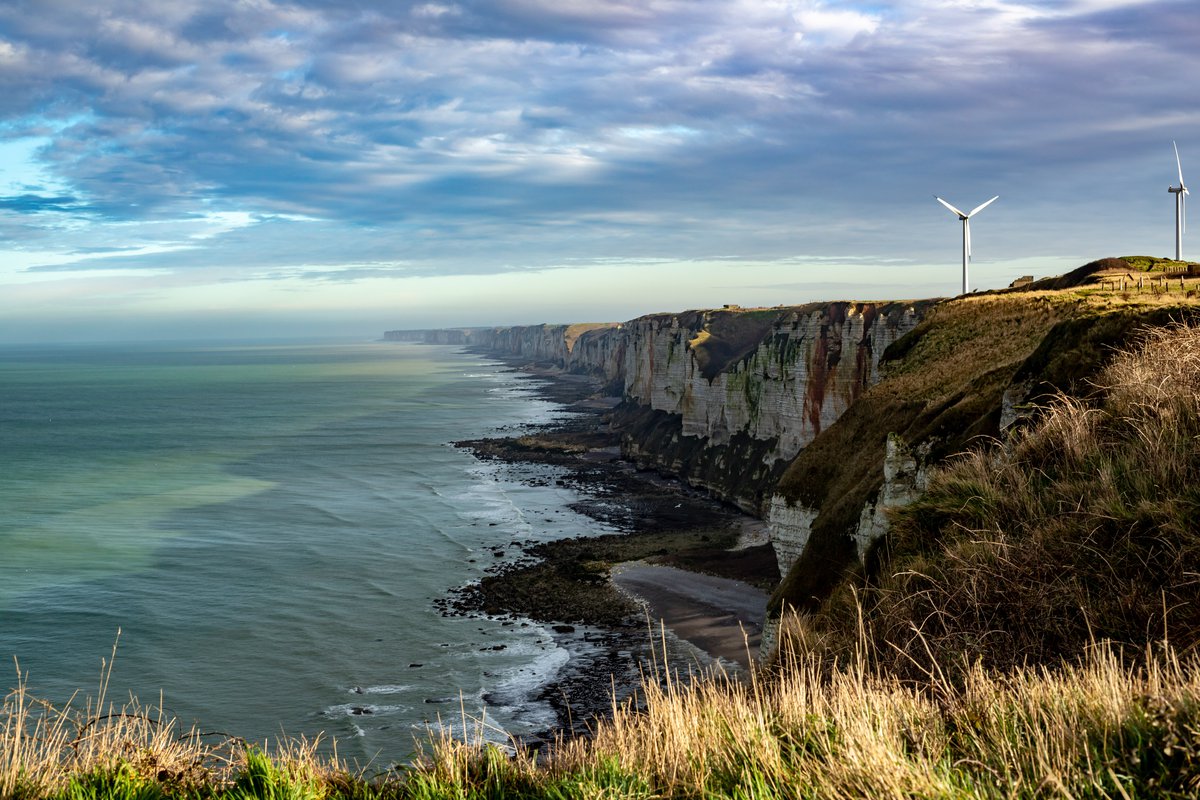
x=966, y=221
x=1180, y=193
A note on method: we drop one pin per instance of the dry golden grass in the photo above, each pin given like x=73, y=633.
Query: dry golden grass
x=1098, y=729
x=964, y=339
x=1084, y=525
x=41, y=746
x=101, y=750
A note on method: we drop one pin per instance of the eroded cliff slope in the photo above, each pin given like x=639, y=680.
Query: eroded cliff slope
x=973, y=367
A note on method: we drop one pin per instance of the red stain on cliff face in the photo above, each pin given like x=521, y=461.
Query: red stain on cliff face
x=818, y=372
x=863, y=355
x=822, y=363
x=826, y=356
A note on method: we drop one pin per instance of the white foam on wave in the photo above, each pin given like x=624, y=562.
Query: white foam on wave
x=387, y=688
x=514, y=392
x=514, y=697
x=488, y=500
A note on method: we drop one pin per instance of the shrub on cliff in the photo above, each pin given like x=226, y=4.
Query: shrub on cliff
x=1082, y=527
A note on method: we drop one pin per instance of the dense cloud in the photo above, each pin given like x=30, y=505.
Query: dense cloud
x=504, y=134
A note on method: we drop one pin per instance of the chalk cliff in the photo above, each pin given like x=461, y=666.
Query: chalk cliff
x=780, y=375
x=724, y=399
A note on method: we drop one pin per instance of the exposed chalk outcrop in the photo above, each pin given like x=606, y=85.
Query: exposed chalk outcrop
x=801, y=374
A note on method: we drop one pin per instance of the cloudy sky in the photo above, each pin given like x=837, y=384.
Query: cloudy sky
x=231, y=168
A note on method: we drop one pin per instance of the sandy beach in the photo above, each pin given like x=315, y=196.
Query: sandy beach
x=667, y=542
x=722, y=617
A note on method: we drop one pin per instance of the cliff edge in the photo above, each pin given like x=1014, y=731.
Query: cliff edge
x=825, y=417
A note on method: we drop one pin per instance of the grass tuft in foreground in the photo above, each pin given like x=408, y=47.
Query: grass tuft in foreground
x=98, y=752
x=1098, y=728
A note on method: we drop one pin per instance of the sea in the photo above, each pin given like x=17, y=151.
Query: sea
x=259, y=532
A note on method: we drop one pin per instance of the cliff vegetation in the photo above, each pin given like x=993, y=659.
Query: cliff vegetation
x=1082, y=526
x=970, y=369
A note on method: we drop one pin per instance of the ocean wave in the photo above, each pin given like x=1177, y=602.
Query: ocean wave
x=514, y=698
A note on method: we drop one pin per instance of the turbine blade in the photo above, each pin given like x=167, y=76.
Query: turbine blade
x=1178, y=165
x=952, y=208
x=982, y=207
x=967, y=234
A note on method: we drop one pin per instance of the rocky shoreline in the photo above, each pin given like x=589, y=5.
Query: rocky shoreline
x=566, y=584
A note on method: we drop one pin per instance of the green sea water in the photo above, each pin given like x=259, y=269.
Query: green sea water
x=268, y=526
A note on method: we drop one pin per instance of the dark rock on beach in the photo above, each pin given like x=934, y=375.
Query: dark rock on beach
x=566, y=582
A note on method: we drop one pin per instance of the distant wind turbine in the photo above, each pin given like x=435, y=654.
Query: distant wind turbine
x=1180, y=193
x=966, y=221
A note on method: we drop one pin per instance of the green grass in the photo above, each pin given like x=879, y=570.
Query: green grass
x=1154, y=264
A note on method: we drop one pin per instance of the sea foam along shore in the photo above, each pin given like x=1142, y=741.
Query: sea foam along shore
x=611, y=634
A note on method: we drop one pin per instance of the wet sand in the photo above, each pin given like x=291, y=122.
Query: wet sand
x=720, y=616
x=566, y=583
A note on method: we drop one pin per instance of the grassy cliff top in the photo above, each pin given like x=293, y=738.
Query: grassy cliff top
x=1081, y=528
x=573, y=332
x=945, y=384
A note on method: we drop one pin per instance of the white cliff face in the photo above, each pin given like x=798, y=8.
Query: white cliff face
x=657, y=362
x=542, y=343
x=802, y=376
x=905, y=479
x=600, y=352
x=790, y=527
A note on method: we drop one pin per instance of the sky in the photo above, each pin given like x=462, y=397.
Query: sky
x=257, y=168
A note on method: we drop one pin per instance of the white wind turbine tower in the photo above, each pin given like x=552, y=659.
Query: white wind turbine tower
x=1180, y=193
x=966, y=221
